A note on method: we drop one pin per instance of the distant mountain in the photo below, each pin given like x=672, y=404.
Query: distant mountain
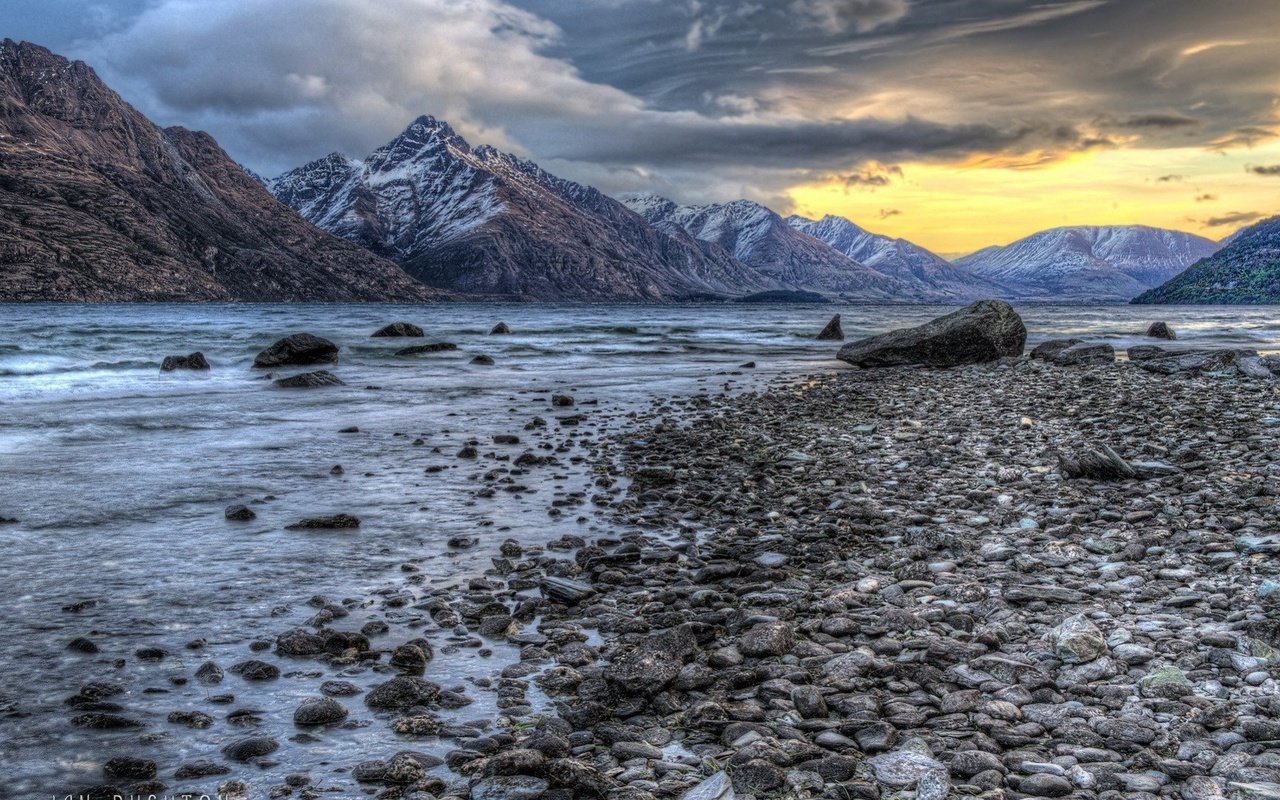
x=481, y=221
x=1089, y=263
x=1246, y=270
x=898, y=258
x=763, y=240
x=98, y=204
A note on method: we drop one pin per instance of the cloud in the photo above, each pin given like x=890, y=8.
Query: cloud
x=1269, y=170
x=1233, y=218
x=885, y=213
x=871, y=175
x=1157, y=121
x=1206, y=198
x=839, y=16
x=1170, y=178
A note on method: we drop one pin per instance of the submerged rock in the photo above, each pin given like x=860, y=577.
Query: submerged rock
x=335, y=522
x=196, y=361
x=832, y=332
x=500, y=328
x=239, y=513
x=310, y=380
x=398, y=329
x=434, y=347
x=300, y=349
x=984, y=331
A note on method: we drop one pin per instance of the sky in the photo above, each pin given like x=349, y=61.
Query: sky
x=954, y=123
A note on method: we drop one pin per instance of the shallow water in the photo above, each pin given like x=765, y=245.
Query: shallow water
x=118, y=476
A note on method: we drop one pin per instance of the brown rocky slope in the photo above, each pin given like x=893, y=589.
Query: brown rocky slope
x=99, y=204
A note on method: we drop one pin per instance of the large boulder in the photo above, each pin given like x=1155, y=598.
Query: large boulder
x=299, y=349
x=399, y=329
x=310, y=380
x=1161, y=330
x=833, y=331
x=985, y=331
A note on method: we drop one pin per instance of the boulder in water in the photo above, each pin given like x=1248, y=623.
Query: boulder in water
x=239, y=513
x=832, y=332
x=299, y=349
x=398, y=329
x=483, y=360
x=196, y=361
x=335, y=522
x=1161, y=330
x=501, y=327
x=434, y=347
x=310, y=380
x=984, y=331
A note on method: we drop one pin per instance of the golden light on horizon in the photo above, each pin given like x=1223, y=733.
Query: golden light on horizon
x=959, y=207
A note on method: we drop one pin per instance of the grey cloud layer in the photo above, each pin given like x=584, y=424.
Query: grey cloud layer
x=709, y=97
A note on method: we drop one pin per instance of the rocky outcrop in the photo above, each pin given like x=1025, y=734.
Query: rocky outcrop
x=398, y=329
x=1246, y=270
x=984, y=331
x=832, y=331
x=196, y=362
x=98, y=204
x=300, y=349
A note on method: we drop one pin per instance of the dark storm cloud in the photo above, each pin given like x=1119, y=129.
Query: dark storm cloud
x=709, y=97
x=1233, y=218
x=1272, y=170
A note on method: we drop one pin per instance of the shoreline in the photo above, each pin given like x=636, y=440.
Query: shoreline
x=882, y=583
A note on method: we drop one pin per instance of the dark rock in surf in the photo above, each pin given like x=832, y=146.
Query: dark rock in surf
x=402, y=693
x=335, y=522
x=434, y=347
x=255, y=670
x=319, y=711
x=561, y=400
x=250, y=748
x=82, y=645
x=483, y=360
x=832, y=332
x=196, y=361
x=300, y=349
x=130, y=769
x=310, y=380
x=239, y=513
x=984, y=331
x=398, y=329
x=500, y=328
x=1161, y=330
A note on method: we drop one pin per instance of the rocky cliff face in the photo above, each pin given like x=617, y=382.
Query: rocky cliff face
x=1246, y=270
x=482, y=221
x=99, y=204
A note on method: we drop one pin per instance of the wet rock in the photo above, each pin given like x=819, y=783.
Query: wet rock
x=434, y=347
x=319, y=711
x=196, y=362
x=399, y=329
x=1085, y=353
x=650, y=667
x=500, y=328
x=200, y=769
x=209, y=673
x=1049, y=350
x=81, y=644
x=130, y=769
x=102, y=721
x=1160, y=330
x=1077, y=640
x=716, y=787
x=767, y=639
x=301, y=349
x=483, y=360
x=985, y=331
x=300, y=642
x=402, y=693
x=832, y=331
x=310, y=380
x=255, y=670
x=239, y=513
x=335, y=522
x=190, y=719
x=509, y=787
x=1044, y=785
x=563, y=590
x=1143, y=352
x=561, y=400
x=250, y=748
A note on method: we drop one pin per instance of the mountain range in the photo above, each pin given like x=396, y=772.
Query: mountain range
x=99, y=204
x=1090, y=263
x=1245, y=270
